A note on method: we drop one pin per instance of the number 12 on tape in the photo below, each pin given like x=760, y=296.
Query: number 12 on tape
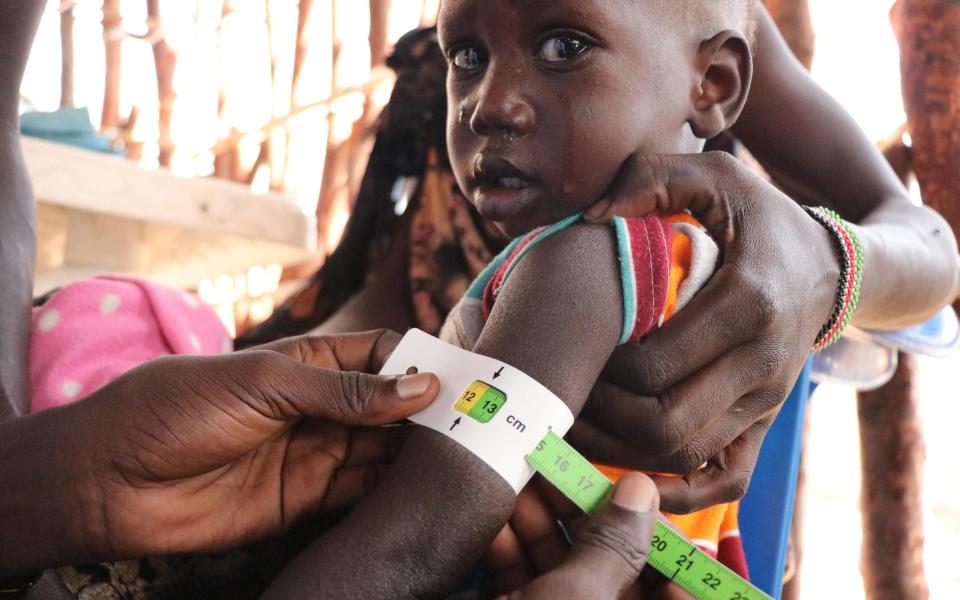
x=670, y=553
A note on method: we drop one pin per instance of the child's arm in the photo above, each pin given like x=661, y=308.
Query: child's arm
x=557, y=318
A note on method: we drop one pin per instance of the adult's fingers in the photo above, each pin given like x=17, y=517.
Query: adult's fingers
x=333, y=444
x=728, y=312
x=283, y=388
x=508, y=562
x=601, y=446
x=672, y=183
x=727, y=452
x=669, y=423
x=535, y=523
x=611, y=549
x=366, y=351
x=375, y=444
x=349, y=484
x=725, y=477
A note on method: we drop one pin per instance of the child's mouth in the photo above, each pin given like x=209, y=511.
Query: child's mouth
x=512, y=183
x=501, y=190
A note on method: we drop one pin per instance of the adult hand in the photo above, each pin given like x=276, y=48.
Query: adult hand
x=532, y=557
x=203, y=453
x=697, y=396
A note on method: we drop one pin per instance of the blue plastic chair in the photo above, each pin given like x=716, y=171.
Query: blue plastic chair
x=766, y=512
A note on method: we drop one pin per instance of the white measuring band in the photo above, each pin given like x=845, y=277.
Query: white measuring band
x=492, y=409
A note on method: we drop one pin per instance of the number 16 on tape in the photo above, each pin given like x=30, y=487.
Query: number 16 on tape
x=670, y=553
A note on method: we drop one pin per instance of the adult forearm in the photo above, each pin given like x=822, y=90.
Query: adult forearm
x=911, y=266
x=44, y=513
x=18, y=23
x=17, y=251
x=821, y=156
x=805, y=138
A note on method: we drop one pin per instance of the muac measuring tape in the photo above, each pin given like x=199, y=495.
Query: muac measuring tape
x=673, y=555
x=482, y=399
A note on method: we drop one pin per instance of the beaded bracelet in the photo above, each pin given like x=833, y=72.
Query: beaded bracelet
x=847, y=298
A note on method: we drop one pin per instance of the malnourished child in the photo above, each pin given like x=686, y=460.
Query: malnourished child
x=546, y=101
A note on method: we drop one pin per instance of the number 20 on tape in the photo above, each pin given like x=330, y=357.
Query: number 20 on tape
x=481, y=401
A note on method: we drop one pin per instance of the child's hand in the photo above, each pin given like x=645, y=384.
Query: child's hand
x=532, y=557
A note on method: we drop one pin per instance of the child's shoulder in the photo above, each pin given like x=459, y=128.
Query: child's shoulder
x=649, y=266
x=571, y=256
x=571, y=271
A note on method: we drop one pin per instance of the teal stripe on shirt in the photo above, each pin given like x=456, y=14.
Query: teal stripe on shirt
x=628, y=278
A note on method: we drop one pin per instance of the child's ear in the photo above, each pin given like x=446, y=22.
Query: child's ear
x=724, y=70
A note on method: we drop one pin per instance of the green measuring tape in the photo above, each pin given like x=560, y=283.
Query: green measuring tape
x=670, y=553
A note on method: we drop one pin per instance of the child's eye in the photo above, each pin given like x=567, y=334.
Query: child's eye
x=469, y=58
x=562, y=47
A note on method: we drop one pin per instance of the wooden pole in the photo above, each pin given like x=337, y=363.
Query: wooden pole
x=379, y=31
x=300, y=54
x=928, y=32
x=66, y=54
x=892, y=454
x=110, y=117
x=165, y=63
x=224, y=159
x=335, y=183
x=793, y=19
x=428, y=13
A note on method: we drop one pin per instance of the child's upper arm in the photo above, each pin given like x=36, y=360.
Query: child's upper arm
x=559, y=315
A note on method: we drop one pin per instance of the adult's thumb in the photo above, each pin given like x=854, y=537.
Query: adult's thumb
x=665, y=183
x=355, y=398
x=611, y=550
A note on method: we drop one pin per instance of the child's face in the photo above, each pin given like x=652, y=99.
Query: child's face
x=547, y=98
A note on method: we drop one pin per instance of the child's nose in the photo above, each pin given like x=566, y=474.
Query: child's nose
x=502, y=108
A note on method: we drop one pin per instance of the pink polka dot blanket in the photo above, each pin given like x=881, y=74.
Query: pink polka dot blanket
x=90, y=332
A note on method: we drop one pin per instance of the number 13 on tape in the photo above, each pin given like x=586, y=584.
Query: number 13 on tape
x=670, y=553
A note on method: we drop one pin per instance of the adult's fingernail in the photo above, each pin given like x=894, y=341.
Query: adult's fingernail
x=636, y=492
x=597, y=210
x=412, y=386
